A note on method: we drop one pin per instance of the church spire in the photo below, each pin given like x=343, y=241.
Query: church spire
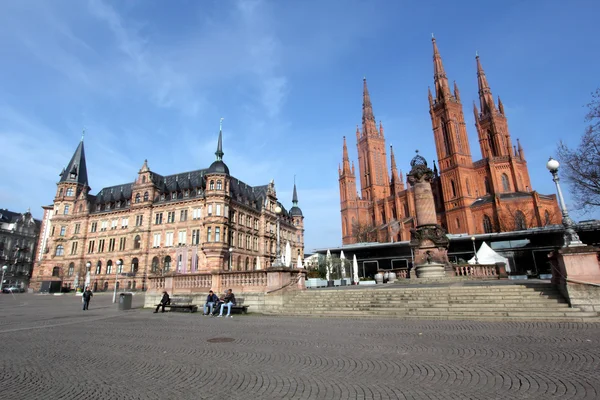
x=485, y=93
x=76, y=170
x=219, y=153
x=395, y=178
x=295, y=194
x=345, y=159
x=439, y=74
x=368, y=119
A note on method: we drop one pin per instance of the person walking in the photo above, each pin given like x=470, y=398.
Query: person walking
x=211, y=300
x=165, y=301
x=228, y=301
x=87, y=296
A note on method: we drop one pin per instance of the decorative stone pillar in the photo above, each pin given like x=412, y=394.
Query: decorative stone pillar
x=428, y=241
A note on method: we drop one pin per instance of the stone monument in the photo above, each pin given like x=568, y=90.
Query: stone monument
x=429, y=241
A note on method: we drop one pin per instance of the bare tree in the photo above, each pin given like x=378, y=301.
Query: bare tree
x=581, y=165
x=364, y=232
x=510, y=217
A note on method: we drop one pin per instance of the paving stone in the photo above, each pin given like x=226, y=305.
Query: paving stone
x=51, y=349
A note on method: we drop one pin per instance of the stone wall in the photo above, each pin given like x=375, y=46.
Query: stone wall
x=584, y=297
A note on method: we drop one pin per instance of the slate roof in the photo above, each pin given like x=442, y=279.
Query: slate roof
x=76, y=166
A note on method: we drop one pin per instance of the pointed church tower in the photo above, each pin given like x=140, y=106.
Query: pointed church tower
x=348, y=196
x=396, y=182
x=72, y=188
x=372, y=158
x=298, y=221
x=453, y=151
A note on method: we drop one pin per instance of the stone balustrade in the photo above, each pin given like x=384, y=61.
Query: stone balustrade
x=476, y=271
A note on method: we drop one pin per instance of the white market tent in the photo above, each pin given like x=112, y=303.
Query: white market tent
x=485, y=255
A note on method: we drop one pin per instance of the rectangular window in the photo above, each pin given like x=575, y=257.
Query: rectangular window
x=66, y=209
x=248, y=242
x=100, y=245
x=103, y=225
x=169, y=239
x=124, y=223
x=156, y=242
x=233, y=216
x=170, y=217
x=91, y=246
x=183, y=215
x=209, y=234
x=122, y=242
x=241, y=219
x=217, y=234
x=218, y=210
x=139, y=220
x=196, y=236
x=74, y=248
x=94, y=227
x=77, y=228
x=197, y=213
x=182, y=236
x=240, y=241
x=158, y=219
x=226, y=211
x=209, y=210
x=232, y=233
x=111, y=244
x=63, y=230
x=255, y=245
x=52, y=233
x=114, y=223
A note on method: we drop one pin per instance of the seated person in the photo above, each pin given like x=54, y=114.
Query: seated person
x=211, y=301
x=165, y=301
x=228, y=301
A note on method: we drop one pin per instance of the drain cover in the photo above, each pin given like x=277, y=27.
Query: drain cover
x=220, y=340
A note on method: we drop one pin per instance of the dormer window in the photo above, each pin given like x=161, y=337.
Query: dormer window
x=212, y=185
x=162, y=196
x=173, y=196
x=186, y=193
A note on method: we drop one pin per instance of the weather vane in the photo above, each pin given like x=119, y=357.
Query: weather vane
x=82, y=134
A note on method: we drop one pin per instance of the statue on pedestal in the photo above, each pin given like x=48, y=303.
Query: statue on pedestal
x=429, y=240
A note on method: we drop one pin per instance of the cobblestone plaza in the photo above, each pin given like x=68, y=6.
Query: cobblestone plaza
x=51, y=349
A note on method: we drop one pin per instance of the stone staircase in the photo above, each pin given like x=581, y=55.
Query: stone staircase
x=485, y=302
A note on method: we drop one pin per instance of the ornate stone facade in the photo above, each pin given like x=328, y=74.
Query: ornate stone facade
x=493, y=194
x=18, y=239
x=188, y=223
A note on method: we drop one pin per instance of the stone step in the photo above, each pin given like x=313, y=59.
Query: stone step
x=441, y=313
x=430, y=306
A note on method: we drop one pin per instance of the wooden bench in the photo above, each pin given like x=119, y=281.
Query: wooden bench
x=239, y=307
x=182, y=304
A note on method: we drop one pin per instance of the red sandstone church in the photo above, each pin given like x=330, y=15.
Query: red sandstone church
x=493, y=194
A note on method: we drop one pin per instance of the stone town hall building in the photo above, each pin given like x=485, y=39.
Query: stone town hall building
x=199, y=221
x=493, y=194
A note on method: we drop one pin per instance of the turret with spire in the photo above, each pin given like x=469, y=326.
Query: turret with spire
x=369, y=127
x=396, y=181
x=486, y=99
x=219, y=166
x=295, y=211
x=442, y=90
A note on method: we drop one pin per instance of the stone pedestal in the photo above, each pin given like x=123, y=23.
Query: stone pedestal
x=432, y=270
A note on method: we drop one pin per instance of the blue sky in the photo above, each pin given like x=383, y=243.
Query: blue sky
x=150, y=80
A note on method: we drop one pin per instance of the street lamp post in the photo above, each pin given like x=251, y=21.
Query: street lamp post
x=119, y=262
x=475, y=250
x=571, y=239
x=230, y=253
x=4, y=268
x=278, y=263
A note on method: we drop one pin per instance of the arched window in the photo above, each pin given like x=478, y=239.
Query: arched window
x=247, y=264
x=134, y=265
x=56, y=271
x=492, y=144
x=120, y=266
x=71, y=269
x=487, y=224
x=219, y=185
x=154, y=267
x=505, y=183
x=520, y=223
x=486, y=184
x=457, y=223
x=146, y=196
x=212, y=185
x=468, y=187
x=167, y=263
x=144, y=179
x=457, y=135
x=105, y=286
x=60, y=250
x=99, y=268
x=109, y=267
x=239, y=263
x=445, y=136
x=546, y=218
x=136, y=242
x=137, y=198
x=453, y=187
x=128, y=284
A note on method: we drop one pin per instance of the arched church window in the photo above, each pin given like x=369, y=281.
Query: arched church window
x=487, y=224
x=505, y=183
x=486, y=183
x=492, y=144
x=520, y=223
x=445, y=136
x=468, y=187
x=457, y=223
x=453, y=187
